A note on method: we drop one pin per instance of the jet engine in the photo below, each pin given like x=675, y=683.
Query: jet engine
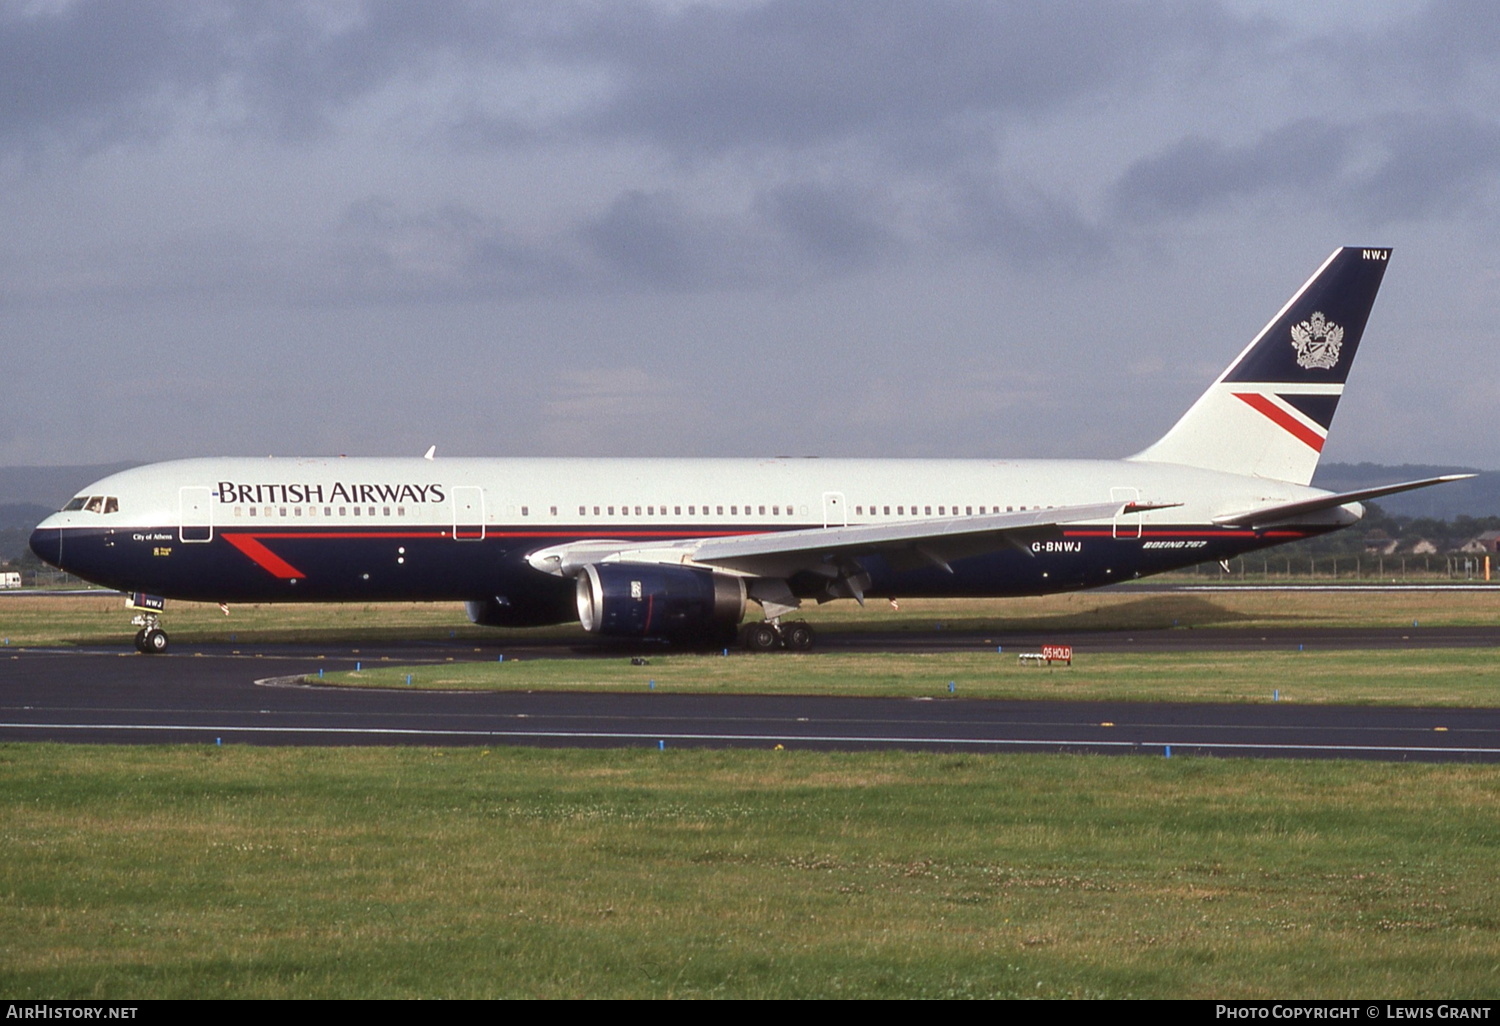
x=643, y=600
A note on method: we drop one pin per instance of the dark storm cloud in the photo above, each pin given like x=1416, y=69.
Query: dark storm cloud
x=788, y=232
x=99, y=69
x=1020, y=223
x=1432, y=166
x=851, y=132
x=453, y=252
x=797, y=73
x=651, y=238
x=696, y=79
x=1438, y=46
x=95, y=71
x=838, y=227
x=1199, y=173
x=1390, y=168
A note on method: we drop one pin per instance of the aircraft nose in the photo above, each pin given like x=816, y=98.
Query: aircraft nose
x=46, y=542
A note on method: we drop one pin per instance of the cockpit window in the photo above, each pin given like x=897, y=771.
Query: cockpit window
x=93, y=504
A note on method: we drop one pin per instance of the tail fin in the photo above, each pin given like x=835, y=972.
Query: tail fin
x=1269, y=413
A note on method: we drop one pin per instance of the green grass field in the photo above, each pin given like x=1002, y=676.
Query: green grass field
x=1450, y=677
x=139, y=872
x=246, y=872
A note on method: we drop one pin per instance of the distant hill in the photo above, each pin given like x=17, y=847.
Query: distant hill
x=51, y=486
x=16, y=523
x=23, y=515
x=1477, y=498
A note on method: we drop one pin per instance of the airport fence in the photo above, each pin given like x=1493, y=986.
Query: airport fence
x=1273, y=566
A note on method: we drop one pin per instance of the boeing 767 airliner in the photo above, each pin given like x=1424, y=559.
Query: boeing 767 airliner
x=681, y=549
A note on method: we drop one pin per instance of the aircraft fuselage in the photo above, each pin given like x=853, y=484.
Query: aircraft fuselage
x=312, y=530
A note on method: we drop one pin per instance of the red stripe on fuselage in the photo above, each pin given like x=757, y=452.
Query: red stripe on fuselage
x=1226, y=533
x=263, y=557
x=1282, y=419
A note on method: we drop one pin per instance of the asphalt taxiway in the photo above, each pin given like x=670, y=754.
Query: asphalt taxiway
x=218, y=695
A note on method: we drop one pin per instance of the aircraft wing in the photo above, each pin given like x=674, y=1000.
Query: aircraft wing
x=827, y=551
x=1266, y=516
x=913, y=543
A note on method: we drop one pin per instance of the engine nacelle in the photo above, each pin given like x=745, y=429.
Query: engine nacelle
x=643, y=600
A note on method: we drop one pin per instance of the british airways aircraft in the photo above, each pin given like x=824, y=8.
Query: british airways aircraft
x=683, y=548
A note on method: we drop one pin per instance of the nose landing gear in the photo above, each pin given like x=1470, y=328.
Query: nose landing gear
x=150, y=639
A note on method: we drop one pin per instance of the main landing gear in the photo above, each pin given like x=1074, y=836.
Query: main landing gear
x=770, y=635
x=150, y=639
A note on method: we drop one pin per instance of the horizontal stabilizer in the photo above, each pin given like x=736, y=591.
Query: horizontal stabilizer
x=1268, y=515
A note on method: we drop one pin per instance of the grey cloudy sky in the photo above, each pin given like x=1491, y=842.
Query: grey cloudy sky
x=844, y=227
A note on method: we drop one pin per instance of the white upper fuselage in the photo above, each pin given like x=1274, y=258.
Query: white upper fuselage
x=615, y=494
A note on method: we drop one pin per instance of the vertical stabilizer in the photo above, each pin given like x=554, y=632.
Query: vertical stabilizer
x=1268, y=414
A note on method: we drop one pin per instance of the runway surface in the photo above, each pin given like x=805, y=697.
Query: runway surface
x=211, y=695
